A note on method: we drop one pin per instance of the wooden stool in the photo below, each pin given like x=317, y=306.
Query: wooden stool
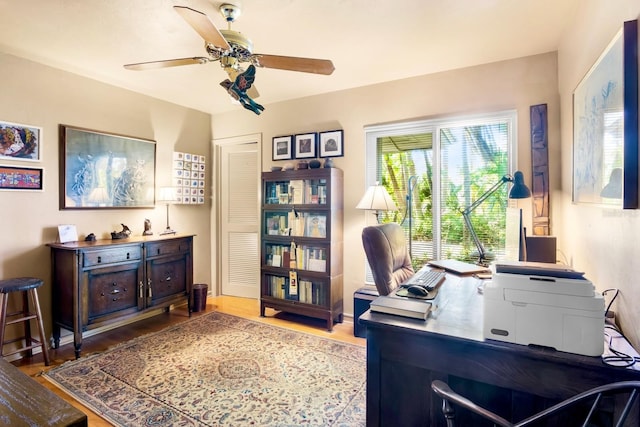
x=26, y=285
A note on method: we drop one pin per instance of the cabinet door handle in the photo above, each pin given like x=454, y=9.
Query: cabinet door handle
x=128, y=256
x=99, y=259
x=141, y=290
x=150, y=292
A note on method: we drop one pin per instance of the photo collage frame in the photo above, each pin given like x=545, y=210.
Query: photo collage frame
x=189, y=178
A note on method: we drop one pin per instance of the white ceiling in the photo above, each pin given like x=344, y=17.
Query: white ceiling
x=369, y=41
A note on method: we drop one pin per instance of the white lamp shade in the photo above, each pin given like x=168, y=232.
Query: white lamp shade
x=377, y=199
x=167, y=195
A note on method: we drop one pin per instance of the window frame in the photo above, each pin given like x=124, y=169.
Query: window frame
x=434, y=126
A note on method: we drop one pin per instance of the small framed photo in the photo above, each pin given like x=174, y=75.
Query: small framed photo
x=19, y=178
x=305, y=145
x=67, y=233
x=331, y=144
x=282, y=146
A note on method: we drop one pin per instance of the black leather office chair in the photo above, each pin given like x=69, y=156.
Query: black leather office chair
x=624, y=392
x=386, y=248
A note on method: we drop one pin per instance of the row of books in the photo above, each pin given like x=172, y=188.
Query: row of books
x=297, y=192
x=306, y=257
x=302, y=224
x=297, y=290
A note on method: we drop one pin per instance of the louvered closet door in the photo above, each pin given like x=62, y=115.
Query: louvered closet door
x=240, y=217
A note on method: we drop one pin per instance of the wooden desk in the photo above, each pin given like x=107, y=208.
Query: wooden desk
x=27, y=403
x=405, y=355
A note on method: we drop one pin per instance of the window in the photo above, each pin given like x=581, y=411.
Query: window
x=433, y=169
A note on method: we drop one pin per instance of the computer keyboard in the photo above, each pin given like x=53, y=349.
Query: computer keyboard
x=428, y=279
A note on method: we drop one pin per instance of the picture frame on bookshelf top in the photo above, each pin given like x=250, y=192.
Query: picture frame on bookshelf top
x=282, y=147
x=332, y=143
x=306, y=145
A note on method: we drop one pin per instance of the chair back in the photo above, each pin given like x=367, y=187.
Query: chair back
x=617, y=400
x=386, y=248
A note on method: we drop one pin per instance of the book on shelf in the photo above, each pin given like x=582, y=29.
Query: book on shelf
x=316, y=226
x=293, y=283
x=296, y=223
x=276, y=260
x=296, y=191
x=401, y=307
x=311, y=293
x=314, y=264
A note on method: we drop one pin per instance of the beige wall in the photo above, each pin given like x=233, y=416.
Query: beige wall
x=41, y=96
x=515, y=84
x=601, y=241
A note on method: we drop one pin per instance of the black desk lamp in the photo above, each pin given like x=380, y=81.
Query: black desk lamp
x=518, y=191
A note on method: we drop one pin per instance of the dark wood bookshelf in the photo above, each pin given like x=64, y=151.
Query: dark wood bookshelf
x=302, y=243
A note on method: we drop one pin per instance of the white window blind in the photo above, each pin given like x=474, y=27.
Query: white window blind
x=435, y=168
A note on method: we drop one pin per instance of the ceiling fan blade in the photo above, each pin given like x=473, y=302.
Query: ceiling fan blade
x=167, y=63
x=306, y=65
x=203, y=26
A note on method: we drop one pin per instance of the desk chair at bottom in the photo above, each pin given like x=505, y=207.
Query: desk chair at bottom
x=627, y=389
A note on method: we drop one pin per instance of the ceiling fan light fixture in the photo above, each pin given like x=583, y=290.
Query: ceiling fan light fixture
x=230, y=11
x=241, y=45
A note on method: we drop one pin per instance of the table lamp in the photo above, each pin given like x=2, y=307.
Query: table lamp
x=518, y=191
x=376, y=199
x=168, y=196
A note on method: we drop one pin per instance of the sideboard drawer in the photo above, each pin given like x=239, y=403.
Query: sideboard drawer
x=169, y=247
x=113, y=289
x=110, y=256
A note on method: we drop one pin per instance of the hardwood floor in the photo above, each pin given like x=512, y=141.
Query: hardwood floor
x=243, y=307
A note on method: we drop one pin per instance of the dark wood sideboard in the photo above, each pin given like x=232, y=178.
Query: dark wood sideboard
x=405, y=355
x=107, y=281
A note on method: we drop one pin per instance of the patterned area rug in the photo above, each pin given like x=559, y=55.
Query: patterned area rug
x=222, y=370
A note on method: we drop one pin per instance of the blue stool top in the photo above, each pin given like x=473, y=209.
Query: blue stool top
x=19, y=284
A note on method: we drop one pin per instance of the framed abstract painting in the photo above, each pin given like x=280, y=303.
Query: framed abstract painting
x=105, y=170
x=605, y=126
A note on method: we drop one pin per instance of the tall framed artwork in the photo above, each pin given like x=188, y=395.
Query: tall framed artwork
x=105, y=170
x=605, y=126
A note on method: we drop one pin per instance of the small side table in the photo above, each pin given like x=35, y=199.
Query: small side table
x=361, y=300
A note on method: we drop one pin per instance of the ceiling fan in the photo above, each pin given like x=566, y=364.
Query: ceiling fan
x=232, y=49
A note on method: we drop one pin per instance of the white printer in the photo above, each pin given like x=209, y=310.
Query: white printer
x=530, y=303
